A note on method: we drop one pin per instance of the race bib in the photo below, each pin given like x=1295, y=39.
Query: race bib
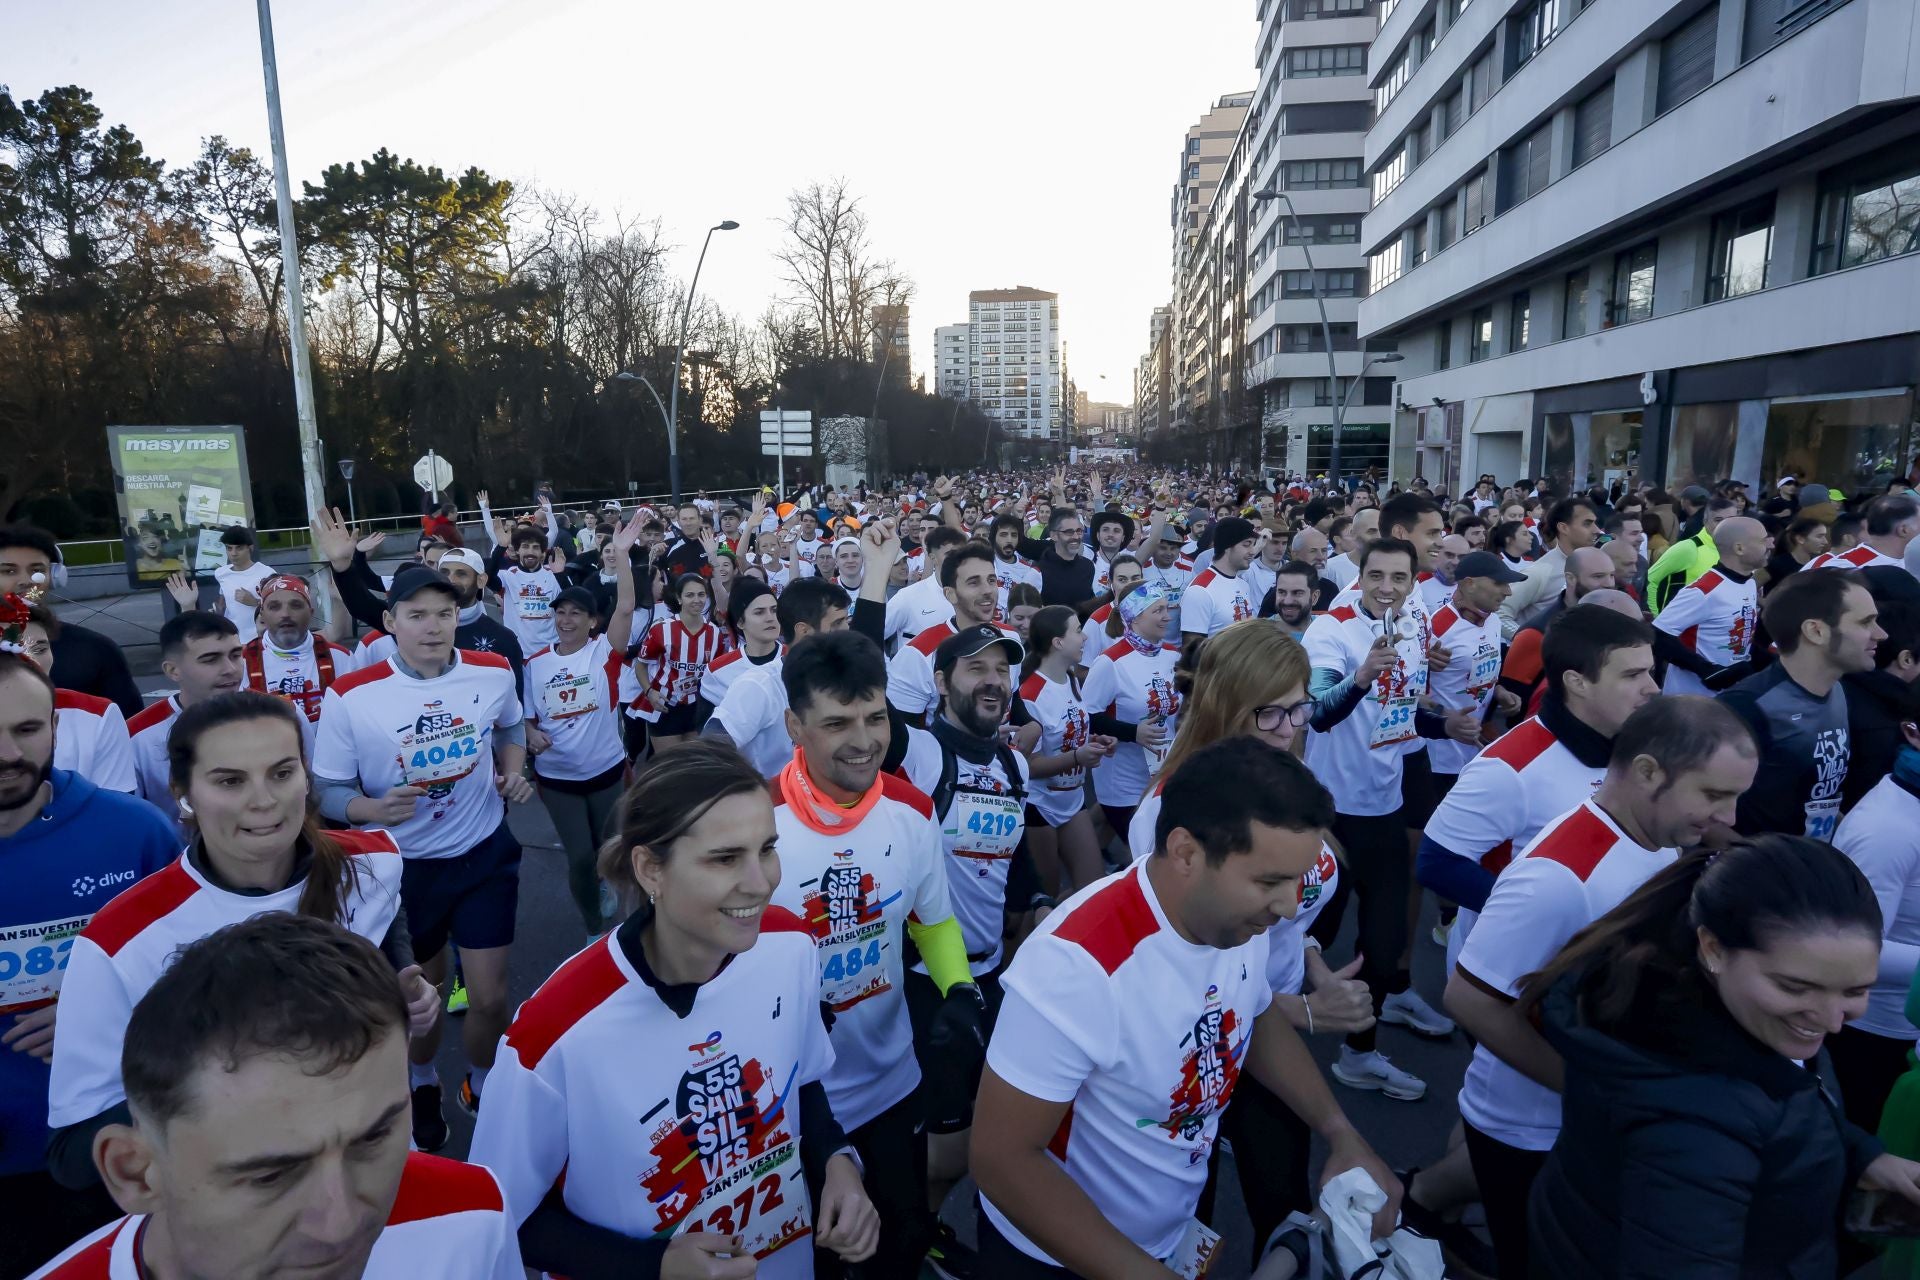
x=1486, y=672
x=1822, y=817
x=1396, y=722
x=768, y=1213
x=1194, y=1255
x=980, y=825
x=534, y=606
x=570, y=696
x=451, y=757
x=33, y=959
x=851, y=971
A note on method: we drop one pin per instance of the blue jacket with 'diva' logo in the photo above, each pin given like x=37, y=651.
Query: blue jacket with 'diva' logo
x=55, y=872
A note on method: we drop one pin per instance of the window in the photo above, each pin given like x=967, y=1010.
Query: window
x=1422, y=42
x=1193, y=146
x=1376, y=391
x=1417, y=243
x=1326, y=60
x=1326, y=117
x=1396, y=80
x=1327, y=8
x=1686, y=60
x=1319, y=175
x=1480, y=335
x=1479, y=85
x=1193, y=171
x=1742, y=246
x=1593, y=124
x=1771, y=21
x=1632, y=297
x=1383, y=268
x=1298, y=338
x=1870, y=210
x=1449, y=230
x=1519, y=321
x=1333, y=284
x=1453, y=112
x=1475, y=215
x=1390, y=175
x=1529, y=30
x=1322, y=229
x=1573, y=320
x=1443, y=345
x=1523, y=168
x=1323, y=392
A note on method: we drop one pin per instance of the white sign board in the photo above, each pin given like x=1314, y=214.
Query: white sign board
x=433, y=473
x=786, y=433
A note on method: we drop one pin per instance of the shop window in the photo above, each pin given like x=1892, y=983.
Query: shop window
x=1704, y=438
x=1859, y=443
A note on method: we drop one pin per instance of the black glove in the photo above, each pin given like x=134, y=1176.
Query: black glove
x=951, y=1058
x=1728, y=676
x=960, y=1024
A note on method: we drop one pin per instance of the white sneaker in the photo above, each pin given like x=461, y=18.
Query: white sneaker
x=1374, y=1071
x=1442, y=932
x=1408, y=1010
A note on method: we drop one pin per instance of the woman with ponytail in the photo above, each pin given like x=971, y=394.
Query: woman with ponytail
x=239, y=776
x=1702, y=1134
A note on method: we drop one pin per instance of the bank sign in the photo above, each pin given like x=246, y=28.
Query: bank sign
x=178, y=489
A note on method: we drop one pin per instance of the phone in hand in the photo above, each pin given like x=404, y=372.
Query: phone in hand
x=1880, y=1215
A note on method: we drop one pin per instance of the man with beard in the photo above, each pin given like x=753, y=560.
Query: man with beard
x=1009, y=566
x=1436, y=586
x=1585, y=571
x=1219, y=597
x=966, y=578
x=528, y=583
x=1290, y=600
x=67, y=848
x=88, y=662
x=1112, y=534
x=862, y=867
x=477, y=632
x=288, y=658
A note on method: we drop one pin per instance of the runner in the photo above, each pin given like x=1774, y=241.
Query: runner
x=92, y=738
x=862, y=869
x=1152, y=985
x=966, y=578
x=753, y=714
x=1131, y=688
x=288, y=658
x=277, y=1046
x=1172, y=573
x=572, y=712
x=676, y=654
x=1104, y=624
x=429, y=744
x=236, y=763
x=1062, y=837
x=1881, y=834
x=1266, y=564
x=527, y=584
x=754, y=621
x=1009, y=566
x=1218, y=597
x=1290, y=600
x=1437, y=585
x=1705, y=633
x=1893, y=521
x=201, y=654
x=240, y=578
x=719, y=991
x=1824, y=625
x=1469, y=625
x=1677, y=766
x=67, y=847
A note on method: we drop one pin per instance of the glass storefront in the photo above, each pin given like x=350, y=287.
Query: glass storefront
x=1586, y=449
x=1704, y=438
x=1857, y=443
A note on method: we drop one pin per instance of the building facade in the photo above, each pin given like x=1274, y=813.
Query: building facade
x=1153, y=384
x=1305, y=138
x=950, y=361
x=888, y=336
x=1665, y=240
x=1014, y=361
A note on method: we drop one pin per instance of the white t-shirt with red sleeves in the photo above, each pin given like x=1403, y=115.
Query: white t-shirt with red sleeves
x=1860, y=557
x=90, y=738
x=1469, y=680
x=1881, y=834
x=662, y=1124
x=1175, y=580
x=979, y=832
x=1093, y=635
x=1581, y=867
x=147, y=735
x=232, y=582
x=1143, y=1035
x=910, y=684
x=854, y=892
x=1286, y=941
x=383, y=728
x=1135, y=686
x=676, y=660
x=1360, y=759
x=448, y=1222
x=526, y=605
x=296, y=674
x=1714, y=616
x=728, y=667
x=1433, y=593
x=575, y=700
x=917, y=606
x=1213, y=602
x=754, y=715
x=132, y=940
x=1056, y=707
x=1007, y=574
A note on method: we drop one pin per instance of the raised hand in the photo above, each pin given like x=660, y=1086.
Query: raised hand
x=556, y=559
x=627, y=534
x=333, y=537
x=184, y=592
x=367, y=544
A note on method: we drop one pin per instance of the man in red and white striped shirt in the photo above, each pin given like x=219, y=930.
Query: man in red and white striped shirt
x=1893, y=521
x=252, y=1158
x=201, y=653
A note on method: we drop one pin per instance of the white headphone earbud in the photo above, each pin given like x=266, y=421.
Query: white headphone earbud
x=186, y=807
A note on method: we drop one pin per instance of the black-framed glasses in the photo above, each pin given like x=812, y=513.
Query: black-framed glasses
x=1268, y=718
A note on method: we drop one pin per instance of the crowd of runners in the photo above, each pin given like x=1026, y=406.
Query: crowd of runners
x=1020, y=827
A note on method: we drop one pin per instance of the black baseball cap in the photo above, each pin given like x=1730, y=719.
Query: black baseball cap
x=580, y=598
x=411, y=581
x=971, y=640
x=1485, y=564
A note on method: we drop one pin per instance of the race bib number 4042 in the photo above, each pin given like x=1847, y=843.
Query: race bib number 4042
x=33, y=959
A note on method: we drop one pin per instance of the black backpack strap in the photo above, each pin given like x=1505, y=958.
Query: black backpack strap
x=949, y=777
x=1011, y=767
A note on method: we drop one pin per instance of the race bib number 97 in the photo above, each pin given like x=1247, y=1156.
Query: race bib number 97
x=33, y=959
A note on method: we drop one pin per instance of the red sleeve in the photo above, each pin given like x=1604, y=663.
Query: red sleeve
x=1523, y=665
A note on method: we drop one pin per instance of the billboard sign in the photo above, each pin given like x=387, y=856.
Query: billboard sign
x=178, y=489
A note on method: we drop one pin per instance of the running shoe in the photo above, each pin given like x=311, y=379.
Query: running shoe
x=1302, y=1237
x=949, y=1258
x=429, y=1124
x=469, y=1100
x=457, y=998
x=1374, y=1071
x=1408, y=1010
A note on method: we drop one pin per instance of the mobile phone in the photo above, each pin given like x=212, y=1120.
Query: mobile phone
x=1878, y=1215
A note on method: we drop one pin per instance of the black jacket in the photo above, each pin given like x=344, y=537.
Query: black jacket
x=1877, y=701
x=1690, y=1151
x=87, y=662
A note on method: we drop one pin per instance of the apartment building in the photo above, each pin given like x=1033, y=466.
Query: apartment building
x=888, y=337
x=1671, y=240
x=950, y=361
x=1153, y=384
x=1305, y=140
x=1014, y=361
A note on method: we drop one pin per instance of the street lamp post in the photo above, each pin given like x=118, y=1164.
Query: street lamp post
x=1338, y=401
x=672, y=453
x=686, y=317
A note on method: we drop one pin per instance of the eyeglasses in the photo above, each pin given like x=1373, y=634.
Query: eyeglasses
x=1268, y=718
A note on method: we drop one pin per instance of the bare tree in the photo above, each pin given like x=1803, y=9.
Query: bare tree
x=829, y=264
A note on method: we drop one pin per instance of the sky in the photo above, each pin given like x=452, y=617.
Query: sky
x=992, y=143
